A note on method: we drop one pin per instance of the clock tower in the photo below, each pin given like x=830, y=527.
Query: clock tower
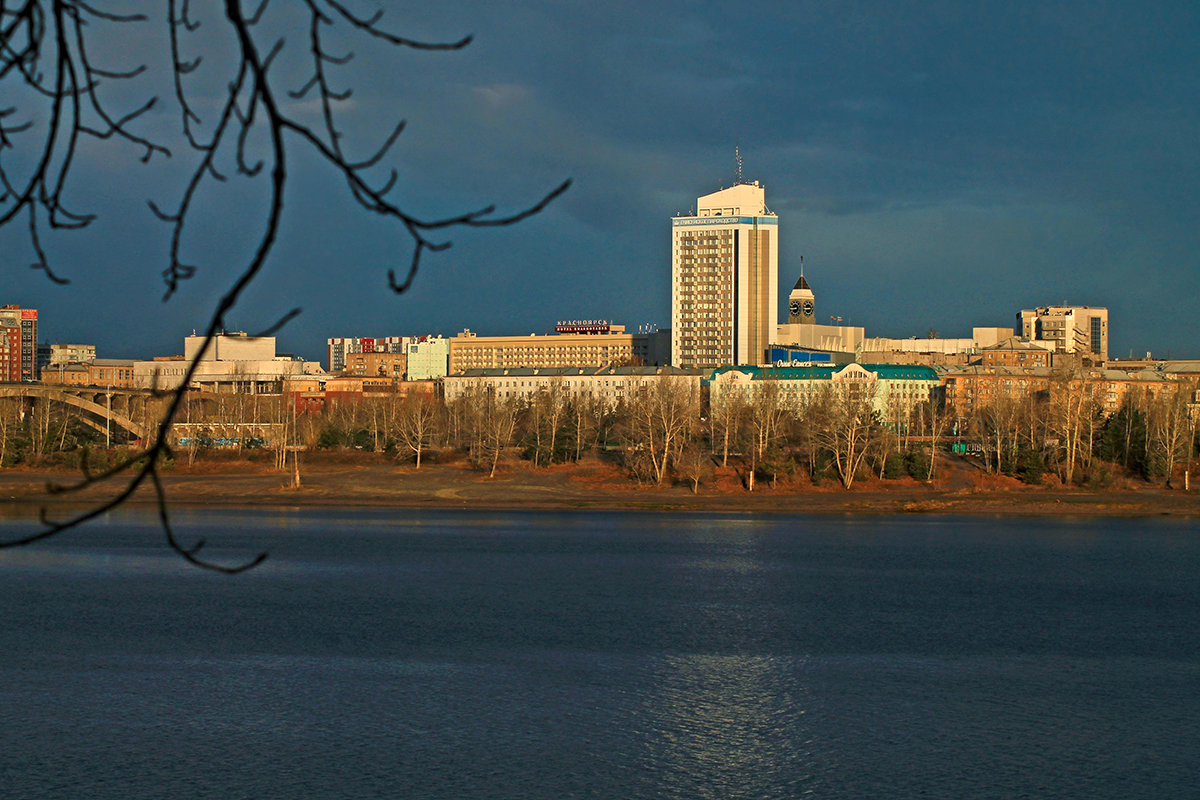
x=801, y=309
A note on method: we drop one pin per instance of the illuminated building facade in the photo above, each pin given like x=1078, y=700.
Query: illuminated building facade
x=724, y=279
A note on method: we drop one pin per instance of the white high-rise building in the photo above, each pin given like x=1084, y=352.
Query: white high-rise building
x=724, y=279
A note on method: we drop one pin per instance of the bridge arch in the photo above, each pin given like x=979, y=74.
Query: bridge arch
x=69, y=397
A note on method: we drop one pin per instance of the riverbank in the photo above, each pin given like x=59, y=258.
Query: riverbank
x=366, y=481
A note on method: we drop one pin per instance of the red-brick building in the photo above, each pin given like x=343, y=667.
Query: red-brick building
x=20, y=345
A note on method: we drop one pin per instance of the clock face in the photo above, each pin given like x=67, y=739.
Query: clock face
x=794, y=307
x=807, y=306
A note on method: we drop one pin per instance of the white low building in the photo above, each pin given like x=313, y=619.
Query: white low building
x=234, y=363
x=607, y=385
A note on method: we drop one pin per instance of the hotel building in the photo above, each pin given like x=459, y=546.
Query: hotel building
x=724, y=279
x=585, y=343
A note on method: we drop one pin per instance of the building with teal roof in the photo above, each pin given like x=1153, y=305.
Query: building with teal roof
x=894, y=389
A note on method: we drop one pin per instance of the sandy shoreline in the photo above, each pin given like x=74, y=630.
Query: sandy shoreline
x=371, y=483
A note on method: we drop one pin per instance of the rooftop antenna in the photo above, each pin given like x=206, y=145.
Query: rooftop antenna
x=737, y=157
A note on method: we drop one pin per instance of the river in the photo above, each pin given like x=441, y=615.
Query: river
x=536, y=655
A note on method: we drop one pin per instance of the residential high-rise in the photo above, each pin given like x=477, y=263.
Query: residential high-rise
x=724, y=279
x=26, y=320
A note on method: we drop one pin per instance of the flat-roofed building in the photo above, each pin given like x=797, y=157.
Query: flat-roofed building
x=1082, y=330
x=378, y=365
x=233, y=363
x=936, y=349
x=237, y=346
x=116, y=373
x=971, y=388
x=827, y=338
x=428, y=358
x=606, y=385
x=571, y=345
x=70, y=354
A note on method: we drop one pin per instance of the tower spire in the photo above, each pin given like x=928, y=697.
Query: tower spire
x=737, y=158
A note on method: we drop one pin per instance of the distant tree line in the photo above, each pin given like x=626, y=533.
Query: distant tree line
x=662, y=432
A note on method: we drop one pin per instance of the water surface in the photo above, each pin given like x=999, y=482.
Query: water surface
x=607, y=655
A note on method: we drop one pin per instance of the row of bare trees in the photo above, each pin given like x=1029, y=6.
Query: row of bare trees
x=840, y=429
x=658, y=431
x=1067, y=430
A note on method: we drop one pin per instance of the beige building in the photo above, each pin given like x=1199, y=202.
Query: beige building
x=980, y=338
x=605, y=345
x=229, y=347
x=891, y=388
x=724, y=279
x=830, y=338
x=71, y=354
x=971, y=388
x=116, y=373
x=608, y=385
x=1013, y=352
x=377, y=365
x=1082, y=330
x=231, y=363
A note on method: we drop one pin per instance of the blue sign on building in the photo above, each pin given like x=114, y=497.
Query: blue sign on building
x=783, y=356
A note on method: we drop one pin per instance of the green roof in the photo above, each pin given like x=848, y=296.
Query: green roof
x=891, y=372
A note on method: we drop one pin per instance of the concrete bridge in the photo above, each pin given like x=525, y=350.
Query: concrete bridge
x=99, y=407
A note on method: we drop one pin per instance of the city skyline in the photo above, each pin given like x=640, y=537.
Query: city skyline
x=937, y=167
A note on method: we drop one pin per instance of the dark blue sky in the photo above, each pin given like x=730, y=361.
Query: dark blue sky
x=938, y=165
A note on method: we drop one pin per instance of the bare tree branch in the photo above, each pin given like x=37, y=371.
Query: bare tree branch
x=45, y=48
